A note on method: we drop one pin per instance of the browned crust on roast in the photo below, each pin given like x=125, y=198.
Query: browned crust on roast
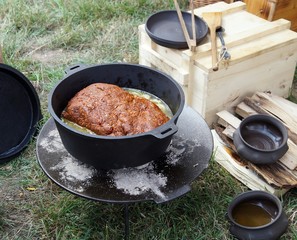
x=109, y=110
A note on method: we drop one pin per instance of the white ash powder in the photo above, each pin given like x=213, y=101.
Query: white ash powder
x=135, y=181
x=180, y=149
x=174, y=154
x=52, y=143
x=73, y=171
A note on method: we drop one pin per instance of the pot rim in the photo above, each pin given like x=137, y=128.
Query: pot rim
x=269, y=119
x=168, y=128
x=245, y=196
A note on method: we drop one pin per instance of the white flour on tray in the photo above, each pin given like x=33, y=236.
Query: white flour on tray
x=133, y=181
x=136, y=181
x=76, y=174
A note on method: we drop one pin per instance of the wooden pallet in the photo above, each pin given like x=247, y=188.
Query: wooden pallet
x=275, y=178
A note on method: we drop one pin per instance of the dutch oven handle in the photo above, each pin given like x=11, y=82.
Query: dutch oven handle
x=165, y=130
x=75, y=68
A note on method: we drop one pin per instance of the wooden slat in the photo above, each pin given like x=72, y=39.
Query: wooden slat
x=276, y=175
x=226, y=118
x=279, y=109
x=229, y=130
x=263, y=103
x=244, y=110
x=290, y=158
x=155, y=60
x=246, y=36
x=221, y=7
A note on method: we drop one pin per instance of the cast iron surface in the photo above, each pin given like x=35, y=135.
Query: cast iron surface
x=162, y=180
x=19, y=112
x=164, y=28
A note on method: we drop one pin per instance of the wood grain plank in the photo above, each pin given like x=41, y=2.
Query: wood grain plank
x=226, y=118
x=244, y=110
x=263, y=103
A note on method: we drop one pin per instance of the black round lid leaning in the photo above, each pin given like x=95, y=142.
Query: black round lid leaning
x=19, y=112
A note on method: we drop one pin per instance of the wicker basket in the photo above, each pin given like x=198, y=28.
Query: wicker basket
x=201, y=3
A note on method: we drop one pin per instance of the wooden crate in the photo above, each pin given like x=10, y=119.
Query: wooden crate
x=274, y=9
x=263, y=58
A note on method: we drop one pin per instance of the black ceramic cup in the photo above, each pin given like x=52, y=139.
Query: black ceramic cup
x=261, y=139
x=255, y=215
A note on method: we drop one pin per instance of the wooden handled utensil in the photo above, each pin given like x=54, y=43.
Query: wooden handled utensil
x=191, y=42
x=214, y=21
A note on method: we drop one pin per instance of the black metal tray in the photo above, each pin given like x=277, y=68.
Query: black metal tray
x=162, y=180
x=164, y=28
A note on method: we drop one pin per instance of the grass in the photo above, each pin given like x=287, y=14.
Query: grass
x=41, y=39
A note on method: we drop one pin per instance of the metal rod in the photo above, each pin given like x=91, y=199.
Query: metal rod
x=126, y=221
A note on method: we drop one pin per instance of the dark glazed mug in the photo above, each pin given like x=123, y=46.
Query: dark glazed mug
x=261, y=139
x=256, y=215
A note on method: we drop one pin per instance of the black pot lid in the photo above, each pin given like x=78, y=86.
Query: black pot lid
x=164, y=28
x=19, y=112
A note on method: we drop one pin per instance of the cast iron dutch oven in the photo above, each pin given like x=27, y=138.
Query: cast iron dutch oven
x=106, y=152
